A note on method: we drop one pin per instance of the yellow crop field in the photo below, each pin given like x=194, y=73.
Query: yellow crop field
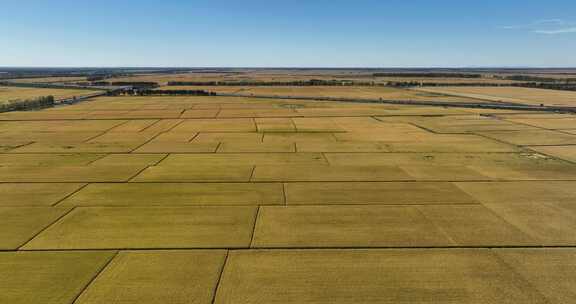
x=49, y=79
x=511, y=94
x=143, y=199
x=18, y=93
x=327, y=91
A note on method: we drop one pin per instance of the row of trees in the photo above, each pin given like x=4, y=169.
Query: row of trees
x=27, y=104
x=536, y=85
x=530, y=78
x=136, y=84
x=311, y=82
x=148, y=92
x=428, y=75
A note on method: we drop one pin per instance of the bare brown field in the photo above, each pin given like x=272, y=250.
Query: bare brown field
x=17, y=93
x=510, y=94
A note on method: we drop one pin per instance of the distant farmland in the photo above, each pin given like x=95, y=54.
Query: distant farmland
x=327, y=91
x=511, y=94
x=17, y=93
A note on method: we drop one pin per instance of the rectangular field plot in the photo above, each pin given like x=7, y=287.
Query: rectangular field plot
x=550, y=271
x=564, y=152
x=126, y=228
x=243, y=159
x=345, y=226
x=19, y=195
x=92, y=147
x=342, y=147
x=512, y=94
x=69, y=174
x=398, y=193
x=196, y=173
x=521, y=192
x=19, y=224
x=30, y=159
x=549, y=223
x=217, y=125
x=344, y=276
x=532, y=137
x=329, y=173
x=241, y=138
x=316, y=125
x=271, y=125
x=48, y=277
x=441, y=159
x=177, y=147
x=384, y=226
x=179, y=194
x=236, y=147
x=154, y=276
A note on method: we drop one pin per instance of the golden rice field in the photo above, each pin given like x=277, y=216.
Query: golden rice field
x=241, y=200
x=511, y=94
x=328, y=91
x=49, y=79
x=162, y=79
x=8, y=94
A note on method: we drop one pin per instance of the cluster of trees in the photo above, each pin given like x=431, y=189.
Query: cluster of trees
x=149, y=92
x=428, y=75
x=27, y=104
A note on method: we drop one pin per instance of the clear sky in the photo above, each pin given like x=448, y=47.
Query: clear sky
x=295, y=33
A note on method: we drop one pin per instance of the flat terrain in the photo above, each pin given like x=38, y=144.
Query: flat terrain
x=49, y=79
x=329, y=91
x=300, y=75
x=17, y=93
x=511, y=94
x=241, y=200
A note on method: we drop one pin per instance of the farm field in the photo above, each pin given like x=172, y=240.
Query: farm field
x=231, y=77
x=511, y=94
x=17, y=93
x=48, y=79
x=293, y=75
x=244, y=200
x=328, y=91
x=443, y=80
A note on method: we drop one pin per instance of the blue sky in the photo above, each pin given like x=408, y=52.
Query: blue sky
x=312, y=33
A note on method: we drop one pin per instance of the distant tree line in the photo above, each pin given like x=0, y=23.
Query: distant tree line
x=136, y=84
x=149, y=92
x=530, y=78
x=45, y=85
x=535, y=85
x=551, y=86
x=428, y=75
x=311, y=82
x=408, y=84
x=27, y=104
